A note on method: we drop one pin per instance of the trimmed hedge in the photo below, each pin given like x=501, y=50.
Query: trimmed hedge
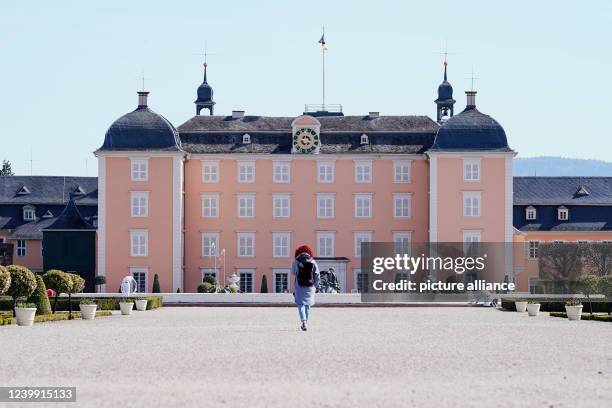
x=104, y=303
x=558, y=305
x=8, y=319
x=586, y=316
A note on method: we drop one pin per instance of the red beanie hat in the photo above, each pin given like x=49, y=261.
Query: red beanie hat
x=303, y=248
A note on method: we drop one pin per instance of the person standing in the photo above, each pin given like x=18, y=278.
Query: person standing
x=307, y=278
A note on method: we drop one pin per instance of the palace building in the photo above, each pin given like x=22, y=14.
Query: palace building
x=225, y=194
x=235, y=194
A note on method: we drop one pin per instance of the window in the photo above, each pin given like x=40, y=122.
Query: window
x=364, y=139
x=246, y=171
x=140, y=276
x=471, y=169
x=534, y=283
x=325, y=172
x=246, y=138
x=359, y=238
x=363, y=205
x=140, y=203
x=325, y=244
x=209, y=273
x=363, y=172
x=246, y=244
x=281, y=172
x=281, y=205
x=563, y=213
x=401, y=171
x=210, y=171
x=48, y=214
x=21, y=248
x=530, y=213
x=210, y=205
x=402, y=203
x=471, y=204
x=280, y=244
x=28, y=213
x=402, y=240
x=210, y=244
x=246, y=280
x=471, y=238
x=139, y=242
x=246, y=205
x=325, y=206
x=532, y=249
x=140, y=169
x=281, y=280
x=362, y=280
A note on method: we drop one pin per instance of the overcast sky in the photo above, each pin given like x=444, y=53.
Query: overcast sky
x=70, y=68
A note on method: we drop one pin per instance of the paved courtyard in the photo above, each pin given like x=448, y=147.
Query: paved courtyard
x=367, y=357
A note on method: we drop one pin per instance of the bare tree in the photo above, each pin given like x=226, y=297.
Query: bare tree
x=599, y=258
x=560, y=262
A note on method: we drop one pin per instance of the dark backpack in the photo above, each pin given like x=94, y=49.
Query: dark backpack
x=305, y=273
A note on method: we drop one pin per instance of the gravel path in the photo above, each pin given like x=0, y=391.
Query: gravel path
x=368, y=357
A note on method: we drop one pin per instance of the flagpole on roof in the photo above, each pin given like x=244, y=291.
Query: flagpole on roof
x=323, y=48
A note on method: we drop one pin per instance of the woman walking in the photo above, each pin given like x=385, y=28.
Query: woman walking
x=306, y=280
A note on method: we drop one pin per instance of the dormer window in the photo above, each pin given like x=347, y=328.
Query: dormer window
x=530, y=213
x=28, y=213
x=582, y=191
x=78, y=191
x=364, y=139
x=563, y=213
x=246, y=138
x=48, y=214
x=23, y=191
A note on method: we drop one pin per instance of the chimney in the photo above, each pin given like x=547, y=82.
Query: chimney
x=373, y=115
x=142, y=99
x=236, y=114
x=471, y=99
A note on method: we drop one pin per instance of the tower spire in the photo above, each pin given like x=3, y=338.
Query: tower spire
x=445, y=102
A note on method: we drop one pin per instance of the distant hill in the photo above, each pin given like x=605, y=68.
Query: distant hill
x=561, y=166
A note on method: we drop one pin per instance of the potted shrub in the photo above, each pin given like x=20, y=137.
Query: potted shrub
x=88, y=309
x=533, y=308
x=24, y=313
x=100, y=280
x=40, y=298
x=573, y=308
x=23, y=283
x=521, y=305
x=141, y=304
x=206, y=287
x=126, y=305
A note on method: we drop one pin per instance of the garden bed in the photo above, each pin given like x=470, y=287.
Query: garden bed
x=558, y=305
x=586, y=316
x=104, y=303
x=7, y=318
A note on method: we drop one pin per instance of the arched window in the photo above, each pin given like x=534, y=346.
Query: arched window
x=530, y=213
x=246, y=138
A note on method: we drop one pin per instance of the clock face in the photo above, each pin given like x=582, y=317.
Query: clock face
x=306, y=140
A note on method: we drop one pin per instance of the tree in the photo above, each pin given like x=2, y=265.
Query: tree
x=588, y=285
x=264, y=284
x=599, y=258
x=100, y=280
x=156, y=288
x=40, y=298
x=560, y=262
x=5, y=280
x=6, y=169
x=605, y=288
x=23, y=283
x=59, y=281
x=78, y=284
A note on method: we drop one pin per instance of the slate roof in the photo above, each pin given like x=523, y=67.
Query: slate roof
x=32, y=229
x=339, y=134
x=562, y=190
x=47, y=190
x=70, y=219
x=587, y=212
x=141, y=129
x=471, y=130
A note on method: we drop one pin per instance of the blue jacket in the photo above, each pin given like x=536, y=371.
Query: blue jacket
x=305, y=295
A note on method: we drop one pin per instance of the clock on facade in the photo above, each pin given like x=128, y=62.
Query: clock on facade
x=306, y=140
